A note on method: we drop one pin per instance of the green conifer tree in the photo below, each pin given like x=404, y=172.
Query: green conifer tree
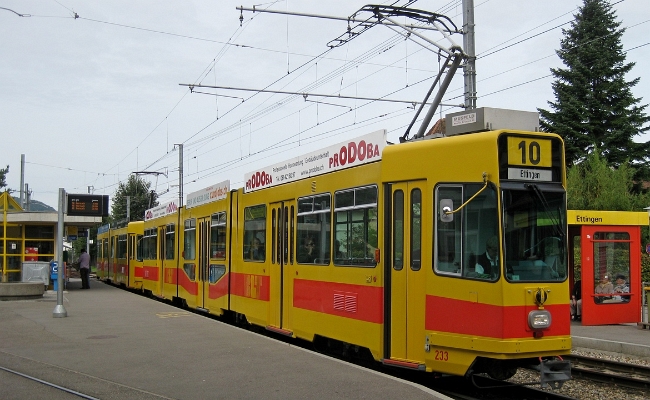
x=595, y=110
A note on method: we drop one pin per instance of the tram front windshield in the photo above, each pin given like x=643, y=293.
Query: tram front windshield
x=535, y=235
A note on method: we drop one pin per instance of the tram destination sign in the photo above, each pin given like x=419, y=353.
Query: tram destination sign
x=87, y=205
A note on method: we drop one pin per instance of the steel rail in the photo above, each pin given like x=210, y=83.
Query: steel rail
x=50, y=384
x=607, y=371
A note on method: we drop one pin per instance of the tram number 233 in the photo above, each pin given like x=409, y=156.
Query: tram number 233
x=441, y=355
x=529, y=152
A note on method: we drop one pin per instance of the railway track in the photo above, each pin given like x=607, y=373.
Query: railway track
x=617, y=373
x=38, y=385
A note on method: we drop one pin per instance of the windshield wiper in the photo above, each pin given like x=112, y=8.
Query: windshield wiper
x=556, y=225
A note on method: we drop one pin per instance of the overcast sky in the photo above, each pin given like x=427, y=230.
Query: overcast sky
x=90, y=100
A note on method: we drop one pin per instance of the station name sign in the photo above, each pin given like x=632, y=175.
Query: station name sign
x=87, y=205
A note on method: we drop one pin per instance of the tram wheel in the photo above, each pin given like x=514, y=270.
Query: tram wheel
x=499, y=370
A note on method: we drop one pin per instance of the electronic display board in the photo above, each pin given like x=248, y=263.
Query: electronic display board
x=87, y=205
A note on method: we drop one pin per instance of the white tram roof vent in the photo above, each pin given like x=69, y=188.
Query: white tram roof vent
x=489, y=119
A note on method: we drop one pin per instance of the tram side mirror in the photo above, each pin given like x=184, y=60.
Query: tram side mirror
x=445, y=209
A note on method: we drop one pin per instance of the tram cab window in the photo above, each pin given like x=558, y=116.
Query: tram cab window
x=466, y=241
x=355, y=216
x=314, y=226
x=255, y=233
x=535, y=238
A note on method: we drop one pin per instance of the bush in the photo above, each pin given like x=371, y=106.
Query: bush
x=645, y=268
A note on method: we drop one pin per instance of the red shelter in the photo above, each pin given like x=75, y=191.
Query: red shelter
x=609, y=246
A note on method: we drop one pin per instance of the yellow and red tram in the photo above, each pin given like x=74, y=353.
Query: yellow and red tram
x=117, y=261
x=445, y=255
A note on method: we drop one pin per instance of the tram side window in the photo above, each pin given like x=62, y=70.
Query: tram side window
x=416, y=229
x=314, y=226
x=254, y=233
x=467, y=241
x=170, y=239
x=189, y=242
x=218, y=236
x=139, y=247
x=189, y=247
x=355, y=214
x=105, y=248
x=149, y=243
x=121, y=246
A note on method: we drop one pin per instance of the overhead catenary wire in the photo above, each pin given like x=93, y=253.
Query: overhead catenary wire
x=503, y=89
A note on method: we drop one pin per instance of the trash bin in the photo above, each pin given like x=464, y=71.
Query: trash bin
x=54, y=274
x=36, y=271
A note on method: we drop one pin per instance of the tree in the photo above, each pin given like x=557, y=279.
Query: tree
x=595, y=110
x=3, y=177
x=142, y=198
x=593, y=185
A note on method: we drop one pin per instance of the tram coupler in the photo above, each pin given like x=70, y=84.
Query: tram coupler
x=553, y=373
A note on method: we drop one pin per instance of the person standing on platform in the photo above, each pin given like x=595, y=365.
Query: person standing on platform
x=576, y=301
x=84, y=269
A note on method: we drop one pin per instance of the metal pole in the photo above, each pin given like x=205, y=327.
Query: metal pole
x=59, y=310
x=88, y=236
x=22, y=181
x=469, y=69
x=180, y=175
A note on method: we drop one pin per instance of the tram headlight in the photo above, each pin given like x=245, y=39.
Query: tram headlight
x=539, y=319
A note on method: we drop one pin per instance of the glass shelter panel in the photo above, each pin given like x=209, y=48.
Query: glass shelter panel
x=611, y=267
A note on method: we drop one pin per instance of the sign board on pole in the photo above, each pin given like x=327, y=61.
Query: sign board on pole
x=87, y=205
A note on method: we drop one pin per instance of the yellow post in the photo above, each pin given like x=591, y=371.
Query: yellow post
x=5, y=277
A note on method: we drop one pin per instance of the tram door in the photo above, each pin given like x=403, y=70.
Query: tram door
x=282, y=243
x=203, y=262
x=407, y=278
x=161, y=261
x=112, y=259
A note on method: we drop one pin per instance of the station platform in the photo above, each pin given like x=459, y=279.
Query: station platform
x=118, y=345
x=623, y=339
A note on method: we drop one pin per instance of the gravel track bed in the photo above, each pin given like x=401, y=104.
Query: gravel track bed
x=587, y=390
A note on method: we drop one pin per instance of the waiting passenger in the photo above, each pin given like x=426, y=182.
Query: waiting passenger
x=307, y=253
x=576, y=301
x=621, y=287
x=488, y=262
x=604, y=287
x=338, y=254
x=256, y=250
